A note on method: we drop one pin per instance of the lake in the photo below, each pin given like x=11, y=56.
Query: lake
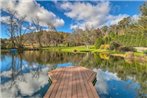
x=26, y=75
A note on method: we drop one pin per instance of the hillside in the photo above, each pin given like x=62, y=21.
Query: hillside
x=37, y=39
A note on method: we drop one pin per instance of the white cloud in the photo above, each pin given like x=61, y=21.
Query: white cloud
x=135, y=18
x=31, y=9
x=86, y=14
x=112, y=20
x=91, y=15
x=5, y=19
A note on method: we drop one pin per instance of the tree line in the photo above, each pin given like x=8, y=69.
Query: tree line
x=127, y=32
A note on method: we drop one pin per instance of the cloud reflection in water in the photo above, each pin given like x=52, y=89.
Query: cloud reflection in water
x=108, y=85
x=25, y=84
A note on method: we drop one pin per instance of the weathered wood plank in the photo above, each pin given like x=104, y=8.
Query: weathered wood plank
x=87, y=86
x=93, y=90
x=60, y=85
x=84, y=92
x=49, y=92
x=72, y=82
x=65, y=83
x=69, y=91
x=55, y=89
x=74, y=93
x=79, y=89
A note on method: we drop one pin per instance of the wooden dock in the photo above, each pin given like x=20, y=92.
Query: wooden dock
x=72, y=82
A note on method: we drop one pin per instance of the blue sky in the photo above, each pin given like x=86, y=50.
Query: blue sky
x=70, y=15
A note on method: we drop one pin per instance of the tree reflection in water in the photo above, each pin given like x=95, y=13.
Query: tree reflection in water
x=26, y=74
x=22, y=79
x=126, y=71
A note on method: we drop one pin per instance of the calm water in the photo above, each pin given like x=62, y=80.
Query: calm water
x=25, y=75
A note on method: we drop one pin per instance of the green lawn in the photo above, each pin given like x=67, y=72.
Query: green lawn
x=91, y=48
x=82, y=49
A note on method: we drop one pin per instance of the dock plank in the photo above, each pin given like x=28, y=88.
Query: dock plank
x=59, y=86
x=84, y=92
x=74, y=93
x=69, y=91
x=72, y=82
x=55, y=90
x=87, y=86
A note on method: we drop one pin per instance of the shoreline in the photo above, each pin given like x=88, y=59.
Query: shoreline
x=78, y=49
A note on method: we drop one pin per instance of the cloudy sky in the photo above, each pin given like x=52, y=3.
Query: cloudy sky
x=69, y=15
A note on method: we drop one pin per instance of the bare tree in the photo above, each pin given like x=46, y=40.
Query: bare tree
x=37, y=25
x=16, y=29
x=86, y=37
x=21, y=30
x=51, y=27
x=11, y=26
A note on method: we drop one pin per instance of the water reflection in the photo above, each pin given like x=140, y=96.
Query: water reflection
x=25, y=75
x=110, y=86
x=19, y=78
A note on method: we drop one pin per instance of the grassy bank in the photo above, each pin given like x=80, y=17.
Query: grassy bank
x=80, y=49
x=91, y=48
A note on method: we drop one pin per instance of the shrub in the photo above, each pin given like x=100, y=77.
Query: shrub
x=75, y=50
x=126, y=49
x=107, y=39
x=145, y=52
x=99, y=42
x=114, y=45
x=105, y=56
x=105, y=46
x=129, y=54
